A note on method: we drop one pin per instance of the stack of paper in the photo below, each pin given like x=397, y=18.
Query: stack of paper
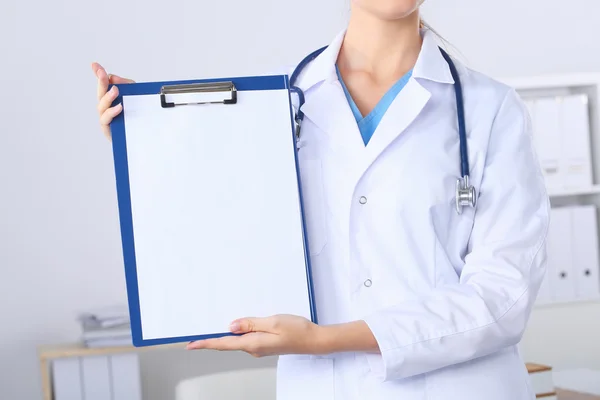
x=542, y=381
x=105, y=317
x=106, y=327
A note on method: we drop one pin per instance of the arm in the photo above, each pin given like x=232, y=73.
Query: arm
x=489, y=308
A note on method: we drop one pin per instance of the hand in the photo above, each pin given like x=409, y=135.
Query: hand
x=260, y=337
x=105, y=99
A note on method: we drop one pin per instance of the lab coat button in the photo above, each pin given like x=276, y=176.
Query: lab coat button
x=363, y=200
x=368, y=283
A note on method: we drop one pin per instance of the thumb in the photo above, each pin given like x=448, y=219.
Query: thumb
x=247, y=325
x=115, y=79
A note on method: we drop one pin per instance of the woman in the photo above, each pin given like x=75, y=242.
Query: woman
x=415, y=300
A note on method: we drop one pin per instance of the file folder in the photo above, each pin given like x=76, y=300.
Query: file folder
x=575, y=132
x=585, y=252
x=547, y=139
x=96, y=377
x=125, y=377
x=210, y=206
x=560, y=256
x=66, y=379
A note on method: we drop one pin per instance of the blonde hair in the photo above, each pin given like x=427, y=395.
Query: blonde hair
x=425, y=25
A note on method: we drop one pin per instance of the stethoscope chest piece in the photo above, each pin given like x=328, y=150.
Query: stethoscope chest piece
x=465, y=194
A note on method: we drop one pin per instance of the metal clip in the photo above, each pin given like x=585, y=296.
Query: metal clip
x=199, y=93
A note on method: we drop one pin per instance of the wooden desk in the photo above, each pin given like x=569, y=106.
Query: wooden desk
x=51, y=352
x=567, y=395
x=48, y=353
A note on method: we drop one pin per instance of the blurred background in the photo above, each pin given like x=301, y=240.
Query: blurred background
x=60, y=249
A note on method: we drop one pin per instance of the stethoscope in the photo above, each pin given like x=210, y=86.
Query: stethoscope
x=465, y=192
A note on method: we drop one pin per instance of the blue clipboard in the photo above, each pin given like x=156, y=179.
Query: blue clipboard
x=121, y=165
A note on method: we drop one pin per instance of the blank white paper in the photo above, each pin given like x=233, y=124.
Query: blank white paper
x=216, y=213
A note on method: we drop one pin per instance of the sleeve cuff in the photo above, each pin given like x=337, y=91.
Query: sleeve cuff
x=384, y=365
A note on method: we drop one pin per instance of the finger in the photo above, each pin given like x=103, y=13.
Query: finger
x=247, y=325
x=102, y=81
x=116, y=80
x=106, y=131
x=106, y=101
x=224, y=343
x=110, y=114
x=95, y=67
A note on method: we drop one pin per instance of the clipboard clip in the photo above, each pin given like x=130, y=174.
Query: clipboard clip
x=198, y=93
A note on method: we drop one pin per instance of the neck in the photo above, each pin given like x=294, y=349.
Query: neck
x=381, y=48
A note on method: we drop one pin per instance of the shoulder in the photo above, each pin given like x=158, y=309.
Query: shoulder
x=493, y=105
x=498, y=120
x=485, y=92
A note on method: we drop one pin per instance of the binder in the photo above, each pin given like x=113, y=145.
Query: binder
x=560, y=256
x=547, y=139
x=125, y=377
x=584, y=230
x=210, y=206
x=96, y=378
x=575, y=132
x=66, y=379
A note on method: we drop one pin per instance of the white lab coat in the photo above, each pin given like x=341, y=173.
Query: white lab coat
x=446, y=296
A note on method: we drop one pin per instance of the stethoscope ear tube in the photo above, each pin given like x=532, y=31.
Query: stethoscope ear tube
x=299, y=114
x=466, y=194
x=295, y=89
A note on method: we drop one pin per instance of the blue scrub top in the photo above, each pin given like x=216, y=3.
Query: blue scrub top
x=367, y=125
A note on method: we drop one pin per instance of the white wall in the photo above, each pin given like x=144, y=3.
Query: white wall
x=59, y=235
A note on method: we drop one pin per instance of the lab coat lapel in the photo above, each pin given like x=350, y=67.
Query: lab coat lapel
x=329, y=110
x=411, y=101
x=326, y=105
x=402, y=112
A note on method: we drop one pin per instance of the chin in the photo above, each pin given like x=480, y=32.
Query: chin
x=389, y=9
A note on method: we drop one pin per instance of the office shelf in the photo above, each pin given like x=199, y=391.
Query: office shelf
x=552, y=81
x=48, y=353
x=558, y=86
x=571, y=192
x=567, y=303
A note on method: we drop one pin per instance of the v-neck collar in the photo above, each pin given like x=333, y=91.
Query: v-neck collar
x=388, y=97
x=380, y=108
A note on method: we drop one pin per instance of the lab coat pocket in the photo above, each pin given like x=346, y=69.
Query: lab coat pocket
x=305, y=379
x=313, y=204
